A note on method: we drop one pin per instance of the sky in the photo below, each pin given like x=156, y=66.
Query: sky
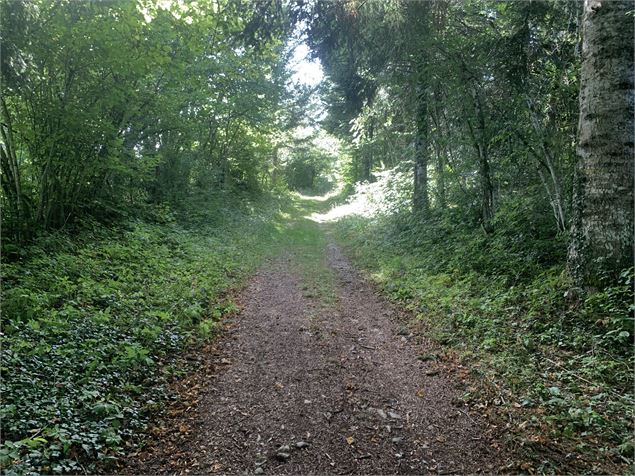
x=305, y=71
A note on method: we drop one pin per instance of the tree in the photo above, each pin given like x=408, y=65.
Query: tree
x=106, y=106
x=420, y=30
x=602, y=228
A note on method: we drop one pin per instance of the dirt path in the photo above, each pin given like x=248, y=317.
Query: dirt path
x=300, y=387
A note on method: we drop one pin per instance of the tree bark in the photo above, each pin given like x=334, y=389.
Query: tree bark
x=438, y=150
x=602, y=226
x=548, y=161
x=420, y=196
x=481, y=145
x=420, y=15
x=553, y=186
x=440, y=173
x=367, y=159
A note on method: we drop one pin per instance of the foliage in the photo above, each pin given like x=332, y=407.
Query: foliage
x=107, y=106
x=91, y=323
x=501, y=300
x=488, y=91
x=309, y=166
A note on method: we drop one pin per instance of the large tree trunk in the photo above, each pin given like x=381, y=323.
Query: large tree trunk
x=602, y=227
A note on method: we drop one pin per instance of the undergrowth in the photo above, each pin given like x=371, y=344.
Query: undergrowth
x=561, y=369
x=92, y=320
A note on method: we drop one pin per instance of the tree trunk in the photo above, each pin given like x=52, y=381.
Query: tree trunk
x=367, y=165
x=553, y=186
x=438, y=150
x=548, y=161
x=420, y=197
x=602, y=227
x=440, y=172
x=487, y=189
x=11, y=174
x=481, y=145
x=365, y=173
x=275, y=161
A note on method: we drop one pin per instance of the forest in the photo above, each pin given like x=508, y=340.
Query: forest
x=317, y=236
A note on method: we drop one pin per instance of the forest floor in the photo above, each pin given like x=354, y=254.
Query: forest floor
x=319, y=374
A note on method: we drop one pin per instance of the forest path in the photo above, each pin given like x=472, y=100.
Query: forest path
x=320, y=375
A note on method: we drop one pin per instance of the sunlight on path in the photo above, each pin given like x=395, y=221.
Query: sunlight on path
x=319, y=198
x=340, y=211
x=369, y=199
x=358, y=205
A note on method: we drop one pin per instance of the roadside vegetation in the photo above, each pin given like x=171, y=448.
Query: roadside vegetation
x=151, y=157
x=93, y=320
x=555, y=372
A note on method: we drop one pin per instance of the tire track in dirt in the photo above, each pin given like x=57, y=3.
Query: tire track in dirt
x=305, y=388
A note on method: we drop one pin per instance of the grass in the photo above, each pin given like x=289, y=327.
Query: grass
x=306, y=241
x=559, y=373
x=91, y=322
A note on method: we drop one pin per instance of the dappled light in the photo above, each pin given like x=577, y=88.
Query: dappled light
x=316, y=237
x=319, y=198
x=385, y=195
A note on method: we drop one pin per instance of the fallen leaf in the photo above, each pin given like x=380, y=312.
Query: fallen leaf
x=350, y=440
x=420, y=393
